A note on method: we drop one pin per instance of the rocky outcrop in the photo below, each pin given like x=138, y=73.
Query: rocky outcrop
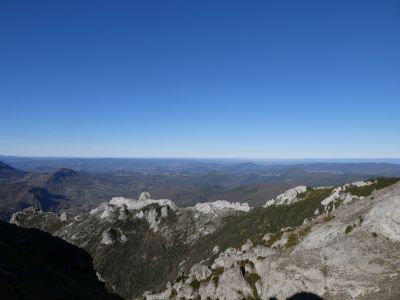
x=219, y=206
x=126, y=235
x=384, y=217
x=339, y=243
x=322, y=256
x=144, y=208
x=287, y=197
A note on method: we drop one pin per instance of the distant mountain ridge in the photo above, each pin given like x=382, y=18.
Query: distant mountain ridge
x=4, y=166
x=6, y=171
x=114, y=165
x=60, y=174
x=187, y=182
x=63, y=189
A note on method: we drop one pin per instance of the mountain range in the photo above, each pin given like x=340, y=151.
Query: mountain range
x=337, y=242
x=40, y=183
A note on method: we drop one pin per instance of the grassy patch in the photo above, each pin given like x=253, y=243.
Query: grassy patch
x=245, y=262
x=257, y=239
x=195, y=284
x=181, y=278
x=173, y=294
x=218, y=271
x=303, y=232
x=215, y=280
x=214, y=276
x=328, y=218
x=251, y=279
x=273, y=238
x=348, y=229
x=292, y=240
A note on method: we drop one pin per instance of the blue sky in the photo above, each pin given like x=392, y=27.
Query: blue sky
x=246, y=79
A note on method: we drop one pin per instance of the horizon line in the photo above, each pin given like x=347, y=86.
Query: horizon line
x=199, y=157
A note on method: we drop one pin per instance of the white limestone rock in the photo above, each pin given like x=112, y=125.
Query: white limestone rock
x=200, y=272
x=336, y=194
x=288, y=197
x=339, y=194
x=164, y=212
x=107, y=212
x=64, y=216
x=99, y=277
x=216, y=250
x=123, y=214
x=362, y=183
x=144, y=196
x=326, y=261
x=124, y=207
x=220, y=205
x=26, y=213
x=384, y=218
x=132, y=204
x=123, y=238
x=106, y=237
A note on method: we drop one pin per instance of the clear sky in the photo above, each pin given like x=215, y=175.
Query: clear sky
x=190, y=78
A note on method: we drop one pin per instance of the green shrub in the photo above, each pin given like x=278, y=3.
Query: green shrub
x=348, y=229
x=173, y=293
x=292, y=240
x=251, y=279
x=273, y=238
x=215, y=280
x=328, y=218
x=195, y=284
x=214, y=276
x=181, y=278
x=367, y=190
x=303, y=232
x=245, y=262
x=257, y=239
x=218, y=271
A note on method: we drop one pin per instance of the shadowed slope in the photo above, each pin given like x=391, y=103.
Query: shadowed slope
x=36, y=265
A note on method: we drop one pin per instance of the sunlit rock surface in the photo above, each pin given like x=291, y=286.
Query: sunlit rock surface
x=347, y=245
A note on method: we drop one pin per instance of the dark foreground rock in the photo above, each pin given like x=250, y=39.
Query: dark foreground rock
x=36, y=265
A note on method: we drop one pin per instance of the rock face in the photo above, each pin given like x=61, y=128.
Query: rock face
x=142, y=243
x=221, y=205
x=64, y=216
x=123, y=206
x=106, y=237
x=338, y=243
x=321, y=256
x=287, y=197
x=36, y=265
x=384, y=218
